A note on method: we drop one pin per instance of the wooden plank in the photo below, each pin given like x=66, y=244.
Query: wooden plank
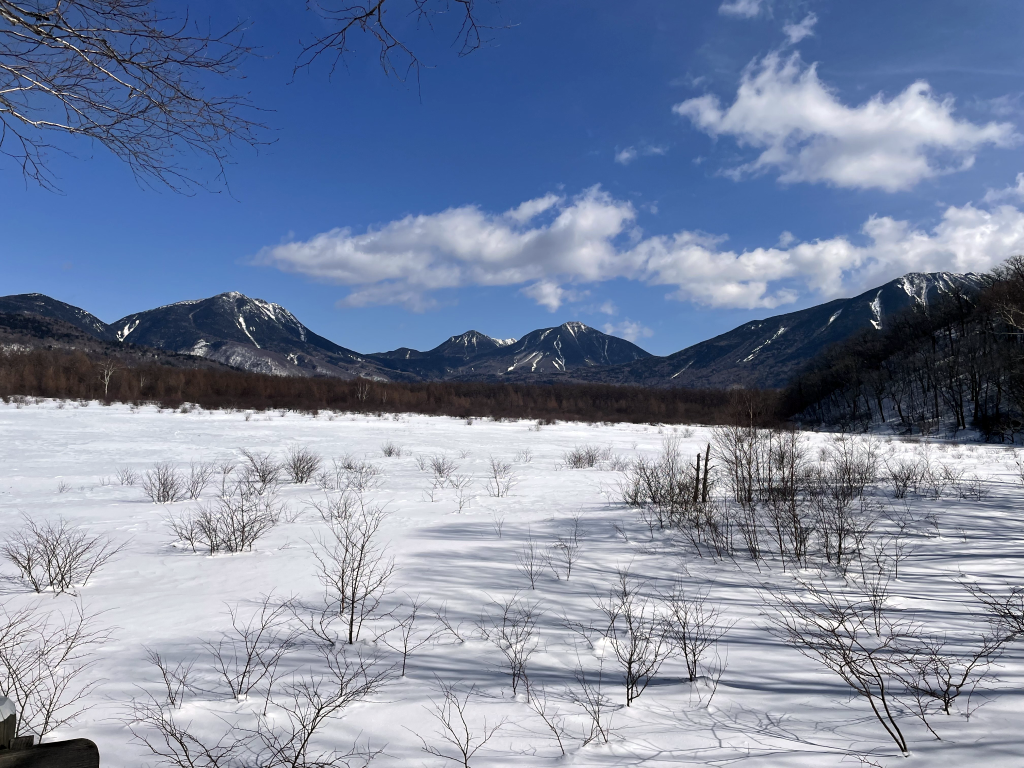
x=75, y=753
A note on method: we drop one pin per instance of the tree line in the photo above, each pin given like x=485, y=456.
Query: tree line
x=76, y=375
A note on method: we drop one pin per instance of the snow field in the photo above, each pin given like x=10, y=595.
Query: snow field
x=770, y=707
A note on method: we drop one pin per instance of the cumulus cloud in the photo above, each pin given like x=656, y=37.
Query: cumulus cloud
x=552, y=247
x=745, y=9
x=808, y=135
x=797, y=32
x=1016, y=191
x=546, y=242
x=629, y=154
x=628, y=330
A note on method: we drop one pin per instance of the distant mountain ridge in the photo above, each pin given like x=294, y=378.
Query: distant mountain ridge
x=257, y=335
x=769, y=352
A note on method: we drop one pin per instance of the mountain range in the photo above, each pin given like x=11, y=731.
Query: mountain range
x=256, y=335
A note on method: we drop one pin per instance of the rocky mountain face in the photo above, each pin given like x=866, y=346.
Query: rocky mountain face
x=250, y=334
x=539, y=354
x=256, y=335
x=44, y=306
x=767, y=353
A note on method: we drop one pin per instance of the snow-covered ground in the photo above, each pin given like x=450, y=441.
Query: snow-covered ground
x=772, y=706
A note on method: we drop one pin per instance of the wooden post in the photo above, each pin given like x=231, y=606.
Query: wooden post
x=707, y=462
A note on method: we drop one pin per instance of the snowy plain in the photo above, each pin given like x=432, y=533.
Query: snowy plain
x=772, y=706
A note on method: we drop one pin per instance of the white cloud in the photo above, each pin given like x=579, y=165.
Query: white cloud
x=628, y=330
x=746, y=9
x=608, y=308
x=626, y=156
x=1016, y=191
x=406, y=260
x=592, y=238
x=629, y=154
x=807, y=134
x=797, y=32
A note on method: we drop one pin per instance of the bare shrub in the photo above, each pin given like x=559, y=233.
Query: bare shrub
x=530, y=561
x=163, y=484
x=443, y=469
x=177, y=680
x=850, y=636
x=973, y=487
x=391, y=450
x=567, y=548
x=250, y=653
x=500, y=479
x=301, y=464
x=524, y=456
x=199, y=476
x=231, y=524
x=1005, y=610
x=63, y=486
x=588, y=694
x=903, y=476
x=260, y=470
x=636, y=634
x=585, y=456
x=126, y=476
x=512, y=632
x=312, y=701
x=43, y=658
x=56, y=555
x=404, y=638
x=457, y=739
x=353, y=567
x=693, y=626
x=939, y=669
x=155, y=725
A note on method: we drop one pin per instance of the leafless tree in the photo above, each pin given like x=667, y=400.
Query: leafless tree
x=154, y=723
x=693, y=626
x=354, y=567
x=530, y=561
x=448, y=625
x=56, y=555
x=309, y=702
x=301, y=464
x=512, y=631
x=199, y=475
x=163, y=484
x=249, y=654
x=109, y=368
x=851, y=638
x=125, y=75
x=1006, y=610
x=177, y=680
x=500, y=478
x=497, y=523
x=370, y=18
x=588, y=694
x=43, y=658
x=636, y=634
x=457, y=739
x=567, y=546
x=537, y=700
x=938, y=669
x=403, y=638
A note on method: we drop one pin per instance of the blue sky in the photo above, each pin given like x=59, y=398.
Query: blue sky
x=661, y=170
